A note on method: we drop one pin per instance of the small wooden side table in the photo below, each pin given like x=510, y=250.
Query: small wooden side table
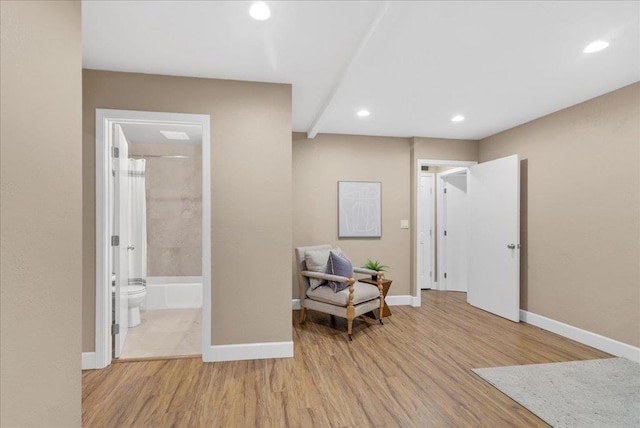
x=386, y=284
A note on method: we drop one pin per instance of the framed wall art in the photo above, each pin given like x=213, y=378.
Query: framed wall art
x=359, y=209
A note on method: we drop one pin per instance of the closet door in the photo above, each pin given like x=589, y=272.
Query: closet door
x=453, y=232
x=494, y=232
x=426, y=227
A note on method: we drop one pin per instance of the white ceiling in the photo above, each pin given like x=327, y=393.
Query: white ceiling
x=413, y=64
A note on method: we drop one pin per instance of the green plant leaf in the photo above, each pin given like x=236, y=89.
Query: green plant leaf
x=374, y=265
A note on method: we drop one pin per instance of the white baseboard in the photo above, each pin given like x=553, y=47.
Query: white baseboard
x=248, y=351
x=434, y=286
x=585, y=337
x=404, y=300
x=89, y=361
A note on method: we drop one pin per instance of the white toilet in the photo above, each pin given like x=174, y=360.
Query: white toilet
x=136, y=296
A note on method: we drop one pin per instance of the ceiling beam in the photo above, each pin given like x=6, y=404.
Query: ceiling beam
x=317, y=124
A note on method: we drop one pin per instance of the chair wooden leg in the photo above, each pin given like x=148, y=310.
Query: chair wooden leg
x=303, y=314
x=380, y=288
x=351, y=312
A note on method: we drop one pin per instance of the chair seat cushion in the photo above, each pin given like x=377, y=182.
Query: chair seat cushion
x=362, y=292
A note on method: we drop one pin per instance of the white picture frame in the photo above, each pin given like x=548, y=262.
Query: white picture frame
x=359, y=209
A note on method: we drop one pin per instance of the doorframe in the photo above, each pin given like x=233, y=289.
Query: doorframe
x=416, y=296
x=105, y=119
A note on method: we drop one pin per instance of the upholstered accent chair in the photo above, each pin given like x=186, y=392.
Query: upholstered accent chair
x=356, y=299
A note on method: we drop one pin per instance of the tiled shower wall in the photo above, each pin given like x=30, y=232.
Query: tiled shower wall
x=174, y=209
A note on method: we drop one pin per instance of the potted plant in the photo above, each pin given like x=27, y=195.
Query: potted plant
x=374, y=265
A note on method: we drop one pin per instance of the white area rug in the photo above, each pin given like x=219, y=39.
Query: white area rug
x=592, y=393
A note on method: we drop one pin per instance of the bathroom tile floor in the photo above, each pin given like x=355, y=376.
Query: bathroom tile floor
x=165, y=333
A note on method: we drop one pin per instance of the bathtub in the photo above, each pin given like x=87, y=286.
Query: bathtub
x=174, y=292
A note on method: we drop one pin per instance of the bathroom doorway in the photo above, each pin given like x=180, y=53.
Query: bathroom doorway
x=152, y=235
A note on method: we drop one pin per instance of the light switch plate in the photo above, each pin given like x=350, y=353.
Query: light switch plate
x=404, y=224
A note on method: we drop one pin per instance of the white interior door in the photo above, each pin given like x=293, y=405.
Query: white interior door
x=453, y=231
x=426, y=231
x=121, y=229
x=494, y=230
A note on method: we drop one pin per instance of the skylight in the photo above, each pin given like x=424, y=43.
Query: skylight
x=175, y=135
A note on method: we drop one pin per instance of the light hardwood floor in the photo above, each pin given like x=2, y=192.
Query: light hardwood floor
x=415, y=371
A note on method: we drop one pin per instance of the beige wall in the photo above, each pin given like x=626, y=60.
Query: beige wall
x=580, y=259
x=41, y=212
x=174, y=208
x=319, y=164
x=433, y=149
x=250, y=193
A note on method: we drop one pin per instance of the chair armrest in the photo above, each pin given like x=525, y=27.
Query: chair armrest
x=378, y=274
x=328, y=277
x=365, y=271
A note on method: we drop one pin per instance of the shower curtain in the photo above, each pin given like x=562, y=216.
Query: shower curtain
x=138, y=223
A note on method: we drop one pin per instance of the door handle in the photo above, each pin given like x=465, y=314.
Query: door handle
x=131, y=247
x=511, y=246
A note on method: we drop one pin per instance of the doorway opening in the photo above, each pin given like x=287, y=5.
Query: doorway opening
x=439, y=213
x=153, y=264
x=468, y=231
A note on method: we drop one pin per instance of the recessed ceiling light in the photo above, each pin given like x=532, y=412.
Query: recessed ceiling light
x=457, y=118
x=259, y=11
x=175, y=135
x=363, y=113
x=596, y=46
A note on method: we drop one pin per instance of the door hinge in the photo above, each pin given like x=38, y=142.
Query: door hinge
x=430, y=232
x=115, y=329
x=115, y=152
x=430, y=274
x=115, y=240
x=445, y=233
x=445, y=274
x=445, y=190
